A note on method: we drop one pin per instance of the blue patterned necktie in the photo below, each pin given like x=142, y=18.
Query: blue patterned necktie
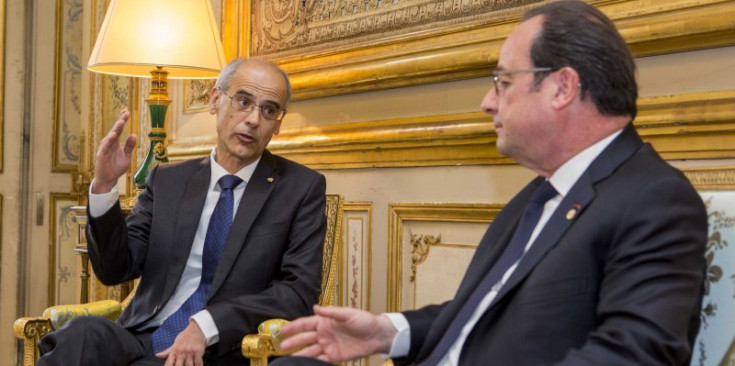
x=511, y=254
x=219, y=226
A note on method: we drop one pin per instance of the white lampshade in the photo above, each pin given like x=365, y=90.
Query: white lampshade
x=139, y=35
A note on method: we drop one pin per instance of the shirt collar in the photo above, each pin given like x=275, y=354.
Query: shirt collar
x=218, y=171
x=564, y=178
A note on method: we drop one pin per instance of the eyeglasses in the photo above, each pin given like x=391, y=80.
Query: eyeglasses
x=244, y=103
x=500, y=86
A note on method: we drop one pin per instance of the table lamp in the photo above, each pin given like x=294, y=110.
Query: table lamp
x=160, y=39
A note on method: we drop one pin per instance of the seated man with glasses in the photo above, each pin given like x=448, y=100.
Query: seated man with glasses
x=597, y=261
x=219, y=243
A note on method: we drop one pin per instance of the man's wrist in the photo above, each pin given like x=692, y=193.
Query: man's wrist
x=98, y=187
x=389, y=332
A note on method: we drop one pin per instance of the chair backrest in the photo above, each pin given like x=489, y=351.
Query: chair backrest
x=332, y=246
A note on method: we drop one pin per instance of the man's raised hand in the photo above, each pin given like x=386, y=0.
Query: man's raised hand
x=113, y=159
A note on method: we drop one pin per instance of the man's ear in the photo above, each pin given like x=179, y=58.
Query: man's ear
x=567, y=87
x=214, y=96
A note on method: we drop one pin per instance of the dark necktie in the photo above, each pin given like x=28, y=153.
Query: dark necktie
x=511, y=254
x=214, y=242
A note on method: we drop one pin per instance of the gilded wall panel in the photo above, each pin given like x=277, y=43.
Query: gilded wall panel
x=356, y=260
x=64, y=264
x=685, y=126
x=283, y=28
x=429, y=248
x=347, y=46
x=68, y=85
x=355, y=268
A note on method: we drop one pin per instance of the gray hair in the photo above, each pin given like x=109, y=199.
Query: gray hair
x=223, y=80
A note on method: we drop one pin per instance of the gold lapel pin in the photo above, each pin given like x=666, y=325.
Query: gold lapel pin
x=572, y=211
x=270, y=180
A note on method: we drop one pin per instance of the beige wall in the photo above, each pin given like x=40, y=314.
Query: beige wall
x=10, y=177
x=688, y=72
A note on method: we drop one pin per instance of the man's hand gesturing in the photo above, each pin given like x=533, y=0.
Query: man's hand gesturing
x=112, y=159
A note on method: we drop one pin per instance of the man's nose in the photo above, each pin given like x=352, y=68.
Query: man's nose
x=489, y=103
x=252, y=117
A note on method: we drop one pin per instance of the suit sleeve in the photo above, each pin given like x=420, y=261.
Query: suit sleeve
x=117, y=249
x=296, y=288
x=648, y=310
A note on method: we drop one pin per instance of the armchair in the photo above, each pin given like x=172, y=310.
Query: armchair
x=31, y=329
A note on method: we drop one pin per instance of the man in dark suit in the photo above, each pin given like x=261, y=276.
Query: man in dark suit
x=609, y=265
x=220, y=243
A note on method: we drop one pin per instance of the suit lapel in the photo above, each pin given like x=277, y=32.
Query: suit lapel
x=578, y=198
x=188, y=215
x=257, y=191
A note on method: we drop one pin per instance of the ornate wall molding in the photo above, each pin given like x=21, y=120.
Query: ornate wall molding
x=399, y=213
x=686, y=126
x=68, y=86
x=63, y=263
x=356, y=260
x=719, y=178
x=420, y=249
x=468, y=49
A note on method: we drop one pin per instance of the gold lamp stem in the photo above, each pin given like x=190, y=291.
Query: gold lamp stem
x=157, y=104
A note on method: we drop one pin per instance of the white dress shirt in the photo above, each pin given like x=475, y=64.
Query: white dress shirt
x=562, y=180
x=101, y=203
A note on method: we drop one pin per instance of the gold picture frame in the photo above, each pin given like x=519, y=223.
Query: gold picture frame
x=66, y=150
x=398, y=213
x=469, y=49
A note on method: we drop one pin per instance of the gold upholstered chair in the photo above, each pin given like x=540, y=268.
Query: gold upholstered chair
x=31, y=329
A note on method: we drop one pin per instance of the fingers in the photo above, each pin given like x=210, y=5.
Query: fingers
x=340, y=314
x=130, y=145
x=110, y=140
x=300, y=325
x=312, y=351
x=298, y=340
x=118, y=127
x=164, y=353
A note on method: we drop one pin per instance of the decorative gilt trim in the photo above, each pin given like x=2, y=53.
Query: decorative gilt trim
x=58, y=119
x=257, y=347
x=54, y=198
x=720, y=178
x=398, y=213
x=30, y=330
x=420, y=248
x=471, y=49
x=367, y=209
x=684, y=126
x=332, y=245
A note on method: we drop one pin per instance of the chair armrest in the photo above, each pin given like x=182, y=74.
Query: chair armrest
x=30, y=330
x=60, y=314
x=258, y=347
